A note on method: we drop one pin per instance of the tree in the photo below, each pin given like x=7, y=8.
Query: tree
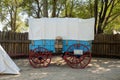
x=104, y=13
x=54, y=2
x=33, y=8
x=55, y=7
x=78, y=8
x=36, y=8
x=0, y=8
x=10, y=14
x=45, y=8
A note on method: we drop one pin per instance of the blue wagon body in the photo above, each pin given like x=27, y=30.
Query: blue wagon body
x=49, y=44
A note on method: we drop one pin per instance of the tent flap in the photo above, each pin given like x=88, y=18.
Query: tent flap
x=7, y=66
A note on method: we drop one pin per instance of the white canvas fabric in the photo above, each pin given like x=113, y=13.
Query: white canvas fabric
x=67, y=28
x=7, y=66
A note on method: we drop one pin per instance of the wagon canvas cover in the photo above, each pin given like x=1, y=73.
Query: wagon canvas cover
x=67, y=28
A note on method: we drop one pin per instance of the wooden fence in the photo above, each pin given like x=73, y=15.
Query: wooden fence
x=106, y=45
x=15, y=44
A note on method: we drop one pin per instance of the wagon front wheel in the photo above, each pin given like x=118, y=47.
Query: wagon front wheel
x=40, y=57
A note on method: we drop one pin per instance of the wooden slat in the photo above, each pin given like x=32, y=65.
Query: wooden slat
x=106, y=45
x=15, y=44
x=14, y=41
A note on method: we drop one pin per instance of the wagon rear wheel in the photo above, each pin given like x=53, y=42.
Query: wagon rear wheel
x=40, y=57
x=77, y=61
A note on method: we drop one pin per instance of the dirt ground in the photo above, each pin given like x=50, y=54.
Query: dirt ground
x=98, y=69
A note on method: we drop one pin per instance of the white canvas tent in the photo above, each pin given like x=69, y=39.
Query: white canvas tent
x=67, y=28
x=7, y=66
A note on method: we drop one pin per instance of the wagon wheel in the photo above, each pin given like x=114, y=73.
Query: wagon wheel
x=40, y=57
x=77, y=61
x=85, y=59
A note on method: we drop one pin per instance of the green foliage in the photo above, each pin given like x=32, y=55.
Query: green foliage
x=114, y=25
x=115, y=20
x=81, y=8
x=10, y=11
x=106, y=14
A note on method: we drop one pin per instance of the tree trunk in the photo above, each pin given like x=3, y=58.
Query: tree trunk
x=15, y=18
x=38, y=11
x=11, y=18
x=100, y=30
x=54, y=8
x=91, y=8
x=66, y=8
x=95, y=14
x=45, y=8
x=71, y=8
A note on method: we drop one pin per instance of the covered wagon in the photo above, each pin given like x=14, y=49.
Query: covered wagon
x=71, y=37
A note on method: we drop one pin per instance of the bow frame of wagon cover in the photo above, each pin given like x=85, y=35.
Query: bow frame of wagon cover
x=70, y=36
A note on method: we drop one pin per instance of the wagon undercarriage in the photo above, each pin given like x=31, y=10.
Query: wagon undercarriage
x=41, y=57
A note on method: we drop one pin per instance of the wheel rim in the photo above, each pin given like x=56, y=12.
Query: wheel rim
x=40, y=57
x=76, y=61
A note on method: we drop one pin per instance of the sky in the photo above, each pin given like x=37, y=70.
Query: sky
x=1, y=26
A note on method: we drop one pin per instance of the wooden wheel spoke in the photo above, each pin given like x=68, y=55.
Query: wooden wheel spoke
x=76, y=61
x=40, y=58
